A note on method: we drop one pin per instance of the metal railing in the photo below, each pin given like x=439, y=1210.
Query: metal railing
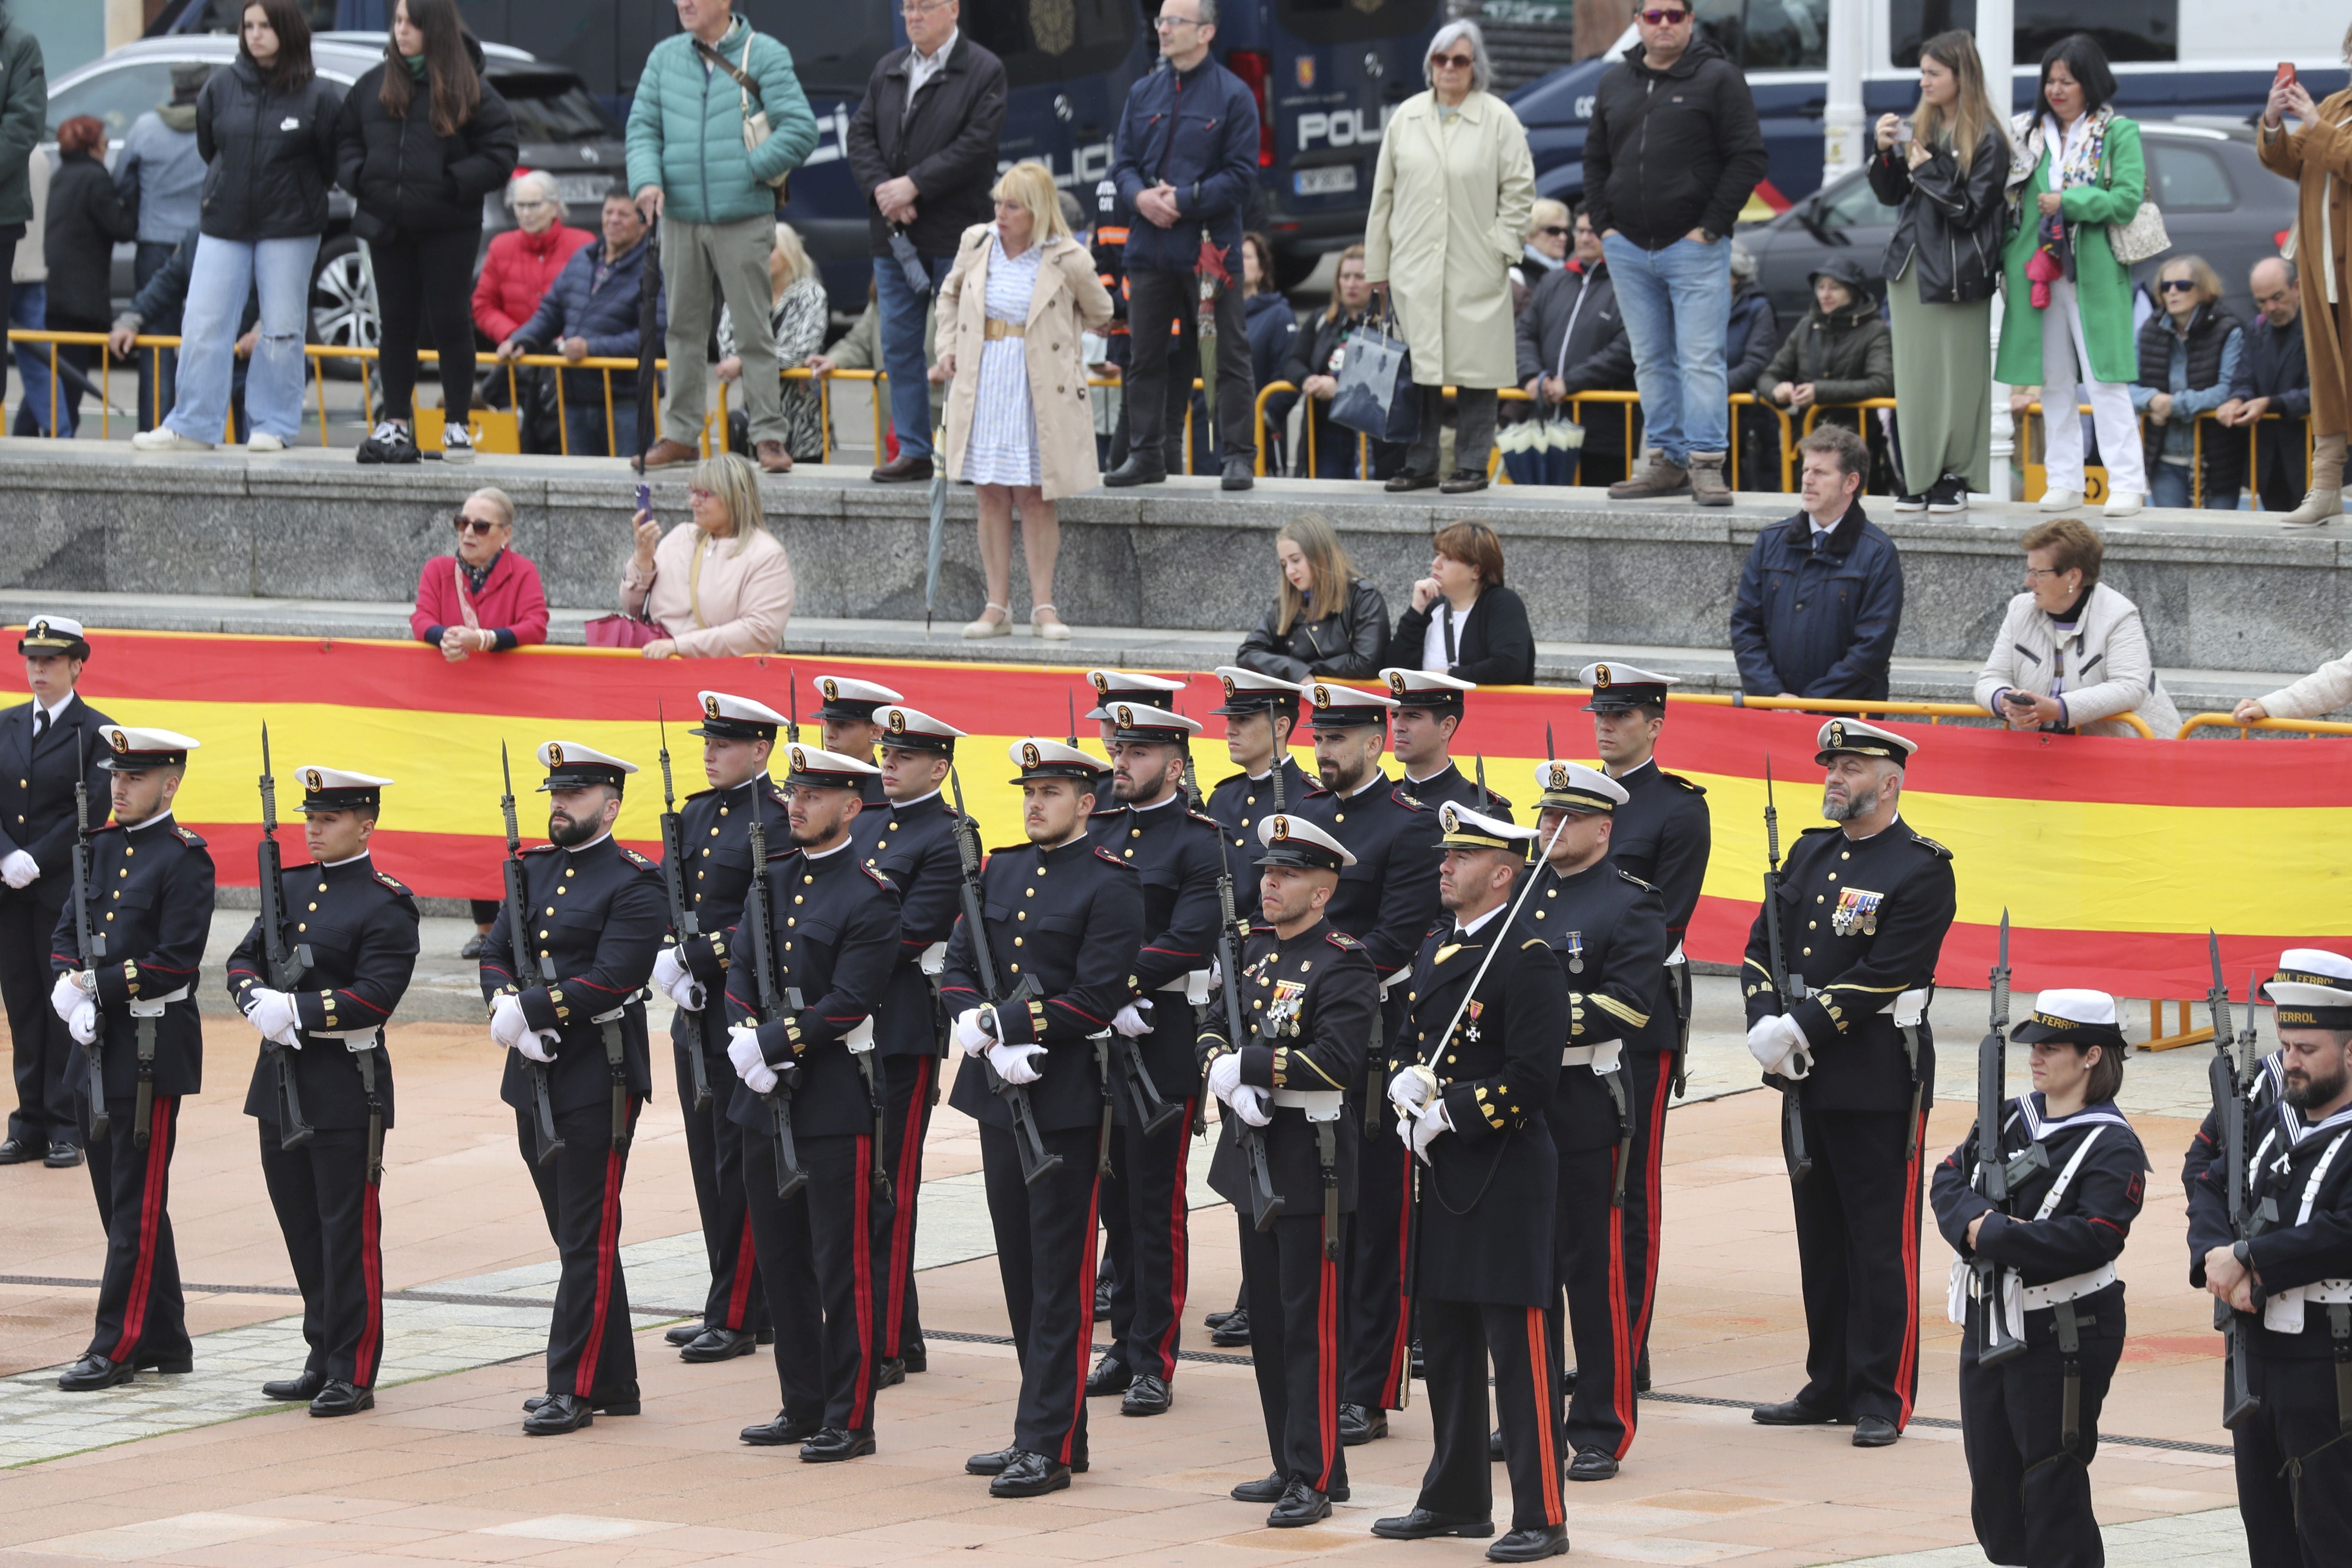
x=1934, y=712
x=2226, y=721
x=2197, y=448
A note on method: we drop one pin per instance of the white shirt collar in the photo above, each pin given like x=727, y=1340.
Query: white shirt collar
x=826, y=854
x=903, y=805
x=584, y=849
x=1174, y=795
x=937, y=57
x=162, y=815
x=346, y=860
x=1650, y=760
x=1413, y=778
x=1475, y=927
x=1376, y=778
x=1867, y=837
x=56, y=710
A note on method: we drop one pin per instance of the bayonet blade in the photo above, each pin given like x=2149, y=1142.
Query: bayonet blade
x=268, y=788
x=669, y=795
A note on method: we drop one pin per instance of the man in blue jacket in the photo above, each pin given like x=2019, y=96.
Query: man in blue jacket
x=590, y=311
x=688, y=163
x=1187, y=156
x=1821, y=597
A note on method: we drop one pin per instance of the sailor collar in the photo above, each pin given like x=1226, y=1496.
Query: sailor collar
x=2040, y=1124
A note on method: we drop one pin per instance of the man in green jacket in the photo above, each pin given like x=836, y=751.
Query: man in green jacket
x=689, y=165
x=24, y=111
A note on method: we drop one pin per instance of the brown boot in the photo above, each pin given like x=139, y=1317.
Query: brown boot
x=1706, y=483
x=773, y=458
x=1657, y=478
x=666, y=453
x=2325, y=504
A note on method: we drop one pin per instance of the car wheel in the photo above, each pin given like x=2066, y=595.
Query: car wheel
x=342, y=314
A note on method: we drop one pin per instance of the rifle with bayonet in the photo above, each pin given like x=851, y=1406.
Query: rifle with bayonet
x=1037, y=1161
x=1485, y=796
x=286, y=963
x=92, y=943
x=770, y=1005
x=682, y=918
x=1997, y=1178
x=1784, y=985
x=518, y=902
x=1265, y=1199
x=1193, y=803
x=2231, y=1074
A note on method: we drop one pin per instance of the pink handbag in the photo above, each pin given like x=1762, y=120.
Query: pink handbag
x=622, y=631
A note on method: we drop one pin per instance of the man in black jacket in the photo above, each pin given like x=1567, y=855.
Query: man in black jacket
x=1672, y=155
x=1821, y=597
x=2273, y=378
x=1571, y=340
x=923, y=147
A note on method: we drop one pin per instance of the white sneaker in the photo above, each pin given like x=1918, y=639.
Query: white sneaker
x=456, y=445
x=2061, y=501
x=263, y=441
x=164, y=438
x=2123, y=503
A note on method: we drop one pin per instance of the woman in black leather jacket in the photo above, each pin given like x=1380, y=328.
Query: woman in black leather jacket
x=1946, y=171
x=1311, y=631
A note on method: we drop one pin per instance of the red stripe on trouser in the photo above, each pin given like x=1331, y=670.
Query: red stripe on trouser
x=902, y=1222
x=1620, y=1342
x=1326, y=1366
x=151, y=1214
x=363, y=1359
x=608, y=1258
x=1401, y=1353
x=1654, y=1161
x=1086, y=1314
x=1178, y=1236
x=1906, y=1369
x=861, y=1261
x=1542, y=1389
x=747, y=1263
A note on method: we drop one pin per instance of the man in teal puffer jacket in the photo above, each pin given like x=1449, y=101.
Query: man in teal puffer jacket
x=688, y=165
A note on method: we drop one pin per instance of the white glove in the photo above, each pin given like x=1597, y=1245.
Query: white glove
x=1779, y=1046
x=508, y=1025
x=83, y=1024
x=1426, y=1126
x=1250, y=1103
x=540, y=1045
x=1411, y=1089
x=1226, y=1075
x=67, y=994
x=968, y=1035
x=20, y=869
x=1130, y=1021
x=668, y=970
x=687, y=993
x=762, y=1079
x=743, y=1050
x=272, y=1014
x=1012, y=1062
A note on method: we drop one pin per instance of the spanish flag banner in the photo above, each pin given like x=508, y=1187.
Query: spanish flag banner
x=2112, y=857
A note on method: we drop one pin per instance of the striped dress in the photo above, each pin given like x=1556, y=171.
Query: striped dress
x=1002, y=446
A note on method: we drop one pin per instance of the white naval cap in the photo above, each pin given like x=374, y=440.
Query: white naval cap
x=2315, y=966
x=571, y=765
x=54, y=634
x=1111, y=683
x=1145, y=725
x=1040, y=758
x=911, y=730
x=1247, y=691
x=728, y=717
x=1572, y=787
x=815, y=768
x=1293, y=841
x=130, y=750
x=1339, y=707
x=1852, y=738
x=1468, y=829
x=1430, y=689
x=2085, y=1017
x=851, y=699
x=334, y=789
x=1617, y=685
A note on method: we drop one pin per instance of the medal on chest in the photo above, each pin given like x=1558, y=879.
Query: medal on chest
x=1574, y=950
x=1857, y=911
x=1470, y=1017
x=1282, y=1011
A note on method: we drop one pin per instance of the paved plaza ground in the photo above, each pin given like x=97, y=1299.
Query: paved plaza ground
x=200, y=1471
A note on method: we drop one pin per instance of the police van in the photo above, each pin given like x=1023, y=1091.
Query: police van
x=2173, y=59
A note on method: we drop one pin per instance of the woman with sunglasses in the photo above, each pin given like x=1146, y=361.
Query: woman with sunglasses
x=1450, y=202
x=1545, y=252
x=2189, y=354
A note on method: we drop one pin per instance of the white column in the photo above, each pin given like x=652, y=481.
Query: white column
x=1841, y=129
x=1997, y=48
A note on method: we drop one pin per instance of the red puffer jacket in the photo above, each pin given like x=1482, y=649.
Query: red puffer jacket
x=517, y=271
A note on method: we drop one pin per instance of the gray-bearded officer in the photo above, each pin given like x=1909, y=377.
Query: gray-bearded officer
x=1660, y=834
x=1386, y=900
x=1477, y=1070
x=1144, y=1215
x=1110, y=686
x=911, y=842
x=715, y=851
x=850, y=728
x=1864, y=910
x=358, y=927
x=1311, y=994
x=1063, y=921
x=795, y=1044
x=151, y=909
x=1429, y=713
x=47, y=745
x=1608, y=929
x=571, y=1014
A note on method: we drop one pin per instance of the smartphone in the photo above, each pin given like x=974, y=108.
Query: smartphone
x=645, y=498
x=1902, y=133
x=2285, y=74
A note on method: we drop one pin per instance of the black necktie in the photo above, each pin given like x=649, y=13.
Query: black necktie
x=1450, y=659
x=40, y=723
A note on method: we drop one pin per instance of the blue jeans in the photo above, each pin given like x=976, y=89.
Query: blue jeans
x=1678, y=306
x=584, y=424
x=902, y=314
x=2167, y=485
x=29, y=308
x=226, y=272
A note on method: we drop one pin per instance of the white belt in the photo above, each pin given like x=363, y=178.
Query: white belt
x=2016, y=1300
x=608, y=1017
x=152, y=1007
x=1675, y=960
x=1320, y=1104
x=1910, y=1008
x=2282, y=1313
x=1391, y=982
x=860, y=1039
x=1194, y=985
x=1600, y=1058
x=354, y=1040
x=934, y=960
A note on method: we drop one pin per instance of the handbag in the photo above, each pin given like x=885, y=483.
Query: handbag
x=622, y=631
x=756, y=128
x=1376, y=395
x=2142, y=237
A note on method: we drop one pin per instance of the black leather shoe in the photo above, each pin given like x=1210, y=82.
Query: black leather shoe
x=683, y=1334
x=1795, y=1413
x=562, y=1412
x=784, y=1431
x=1219, y=1320
x=1592, y=1465
x=1109, y=1376
x=902, y=469
x=1147, y=1395
x=889, y=1374
x=341, y=1398
x=1235, y=1332
x=1359, y=1425
x=1642, y=1376
x=1301, y=1505
x=995, y=1464
x=1030, y=1475
x=93, y=1371
x=304, y=1388
x=146, y=1362
x=832, y=1444
x=1408, y=481
x=1102, y=1300
x=1461, y=483
x=1267, y=1491
x=16, y=1151
x=1530, y=1546
x=1568, y=1381
x=1420, y=1525
x=1495, y=1445
x=719, y=1344
x=62, y=1156
x=1136, y=471
x=472, y=948
x=913, y=1357
x=600, y=1406
x=1238, y=475
x=1874, y=1432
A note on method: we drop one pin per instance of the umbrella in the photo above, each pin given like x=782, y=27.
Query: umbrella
x=938, y=543
x=649, y=344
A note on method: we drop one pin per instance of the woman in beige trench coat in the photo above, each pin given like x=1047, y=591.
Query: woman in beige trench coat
x=2318, y=158
x=1020, y=424
x=1450, y=197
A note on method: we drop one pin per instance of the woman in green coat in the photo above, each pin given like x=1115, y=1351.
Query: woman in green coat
x=2078, y=175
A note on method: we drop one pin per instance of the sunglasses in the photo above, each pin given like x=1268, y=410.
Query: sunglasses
x=2177, y=285
x=1459, y=62
x=472, y=524
x=1555, y=229
x=1665, y=18
x=692, y=493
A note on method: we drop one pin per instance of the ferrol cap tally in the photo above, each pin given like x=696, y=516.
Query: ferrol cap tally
x=1852, y=738
x=130, y=750
x=850, y=701
x=2075, y=1017
x=571, y=765
x=1040, y=758
x=815, y=768
x=1247, y=691
x=911, y=730
x=1617, y=686
x=1293, y=841
x=731, y=718
x=2315, y=966
x=1113, y=683
x=2303, y=1007
x=1572, y=787
x=334, y=789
